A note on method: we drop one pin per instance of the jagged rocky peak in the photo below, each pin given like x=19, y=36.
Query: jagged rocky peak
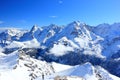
x=52, y=27
x=76, y=28
x=34, y=28
x=76, y=25
x=103, y=25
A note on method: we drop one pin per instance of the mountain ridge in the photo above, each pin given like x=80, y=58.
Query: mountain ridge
x=73, y=44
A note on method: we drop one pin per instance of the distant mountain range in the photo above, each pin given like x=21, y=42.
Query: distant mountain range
x=73, y=44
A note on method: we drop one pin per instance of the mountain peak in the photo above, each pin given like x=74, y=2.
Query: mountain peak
x=34, y=28
x=52, y=26
x=75, y=23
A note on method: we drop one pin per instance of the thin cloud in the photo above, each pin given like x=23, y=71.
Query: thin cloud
x=53, y=16
x=1, y=22
x=60, y=2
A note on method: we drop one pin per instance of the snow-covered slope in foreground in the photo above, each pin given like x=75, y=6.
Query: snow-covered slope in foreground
x=83, y=72
x=19, y=66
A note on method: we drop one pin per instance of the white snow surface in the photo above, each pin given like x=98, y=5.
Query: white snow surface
x=85, y=71
x=19, y=67
x=26, y=44
x=75, y=35
x=60, y=67
x=60, y=50
x=102, y=41
x=13, y=67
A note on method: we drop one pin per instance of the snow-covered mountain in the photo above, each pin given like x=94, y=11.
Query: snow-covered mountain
x=111, y=35
x=86, y=71
x=11, y=32
x=75, y=36
x=19, y=66
x=74, y=44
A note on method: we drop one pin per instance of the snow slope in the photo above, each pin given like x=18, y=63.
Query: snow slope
x=85, y=71
x=19, y=66
x=74, y=36
x=60, y=67
x=111, y=35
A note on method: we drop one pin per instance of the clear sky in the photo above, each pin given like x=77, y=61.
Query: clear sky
x=26, y=13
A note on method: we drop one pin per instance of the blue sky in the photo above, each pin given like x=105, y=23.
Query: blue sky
x=26, y=13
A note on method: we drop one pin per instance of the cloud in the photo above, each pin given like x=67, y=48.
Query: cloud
x=1, y=22
x=60, y=2
x=53, y=16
